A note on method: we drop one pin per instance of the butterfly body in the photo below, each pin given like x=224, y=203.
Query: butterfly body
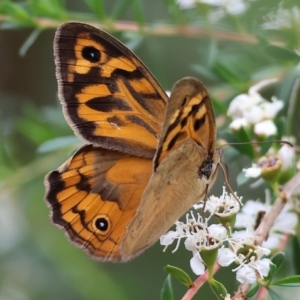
x=149, y=158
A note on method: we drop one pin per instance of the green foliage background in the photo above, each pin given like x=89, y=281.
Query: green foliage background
x=229, y=55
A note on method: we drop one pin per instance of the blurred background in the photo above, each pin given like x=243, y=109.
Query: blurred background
x=229, y=45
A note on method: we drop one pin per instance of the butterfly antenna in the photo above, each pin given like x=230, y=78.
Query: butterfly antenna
x=228, y=184
x=257, y=143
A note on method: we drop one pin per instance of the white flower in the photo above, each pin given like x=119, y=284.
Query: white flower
x=248, y=257
x=236, y=124
x=198, y=236
x=246, y=274
x=223, y=206
x=253, y=172
x=252, y=108
x=197, y=265
x=271, y=109
x=254, y=210
x=242, y=103
x=265, y=128
x=226, y=256
x=287, y=156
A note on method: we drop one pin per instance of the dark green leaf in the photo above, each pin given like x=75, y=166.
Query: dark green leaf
x=273, y=295
x=138, y=12
x=218, y=288
x=291, y=281
x=242, y=179
x=282, y=54
x=97, y=7
x=277, y=259
x=167, y=290
x=296, y=251
x=253, y=290
x=181, y=275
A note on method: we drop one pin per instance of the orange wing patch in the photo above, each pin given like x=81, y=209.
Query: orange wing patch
x=95, y=195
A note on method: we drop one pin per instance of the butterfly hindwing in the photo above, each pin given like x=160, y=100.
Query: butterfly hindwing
x=95, y=195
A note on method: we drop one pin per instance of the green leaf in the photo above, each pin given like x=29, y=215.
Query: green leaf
x=246, y=146
x=181, y=275
x=29, y=42
x=138, y=12
x=242, y=179
x=17, y=13
x=291, y=281
x=59, y=143
x=253, y=290
x=49, y=8
x=120, y=7
x=273, y=295
x=218, y=288
x=97, y=7
x=277, y=259
x=175, y=11
x=228, y=75
x=296, y=256
x=167, y=290
x=282, y=54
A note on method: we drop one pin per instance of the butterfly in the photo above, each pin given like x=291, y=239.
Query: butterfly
x=147, y=159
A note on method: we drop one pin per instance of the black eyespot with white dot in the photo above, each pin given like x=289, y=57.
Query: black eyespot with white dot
x=91, y=54
x=102, y=224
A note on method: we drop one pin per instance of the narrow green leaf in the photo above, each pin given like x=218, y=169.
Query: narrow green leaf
x=175, y=11
x=246, y=146
x=242, y=179
x=273, y=295
x=181, y=275
x=253, y=290
x=29, y=42
x=291, y=281
x=120, y=7
x=138, y=12
x=17, y=13
x=296, y=256
x=97, y=7
x=228, y=75
x=264, y=147
x=282, y=54
x=218, y=288
x=167, y=290
x=59, y=143
x=49, y=8
x=277, y=259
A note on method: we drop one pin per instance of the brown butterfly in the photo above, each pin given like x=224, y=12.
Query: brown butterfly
x=149, y=158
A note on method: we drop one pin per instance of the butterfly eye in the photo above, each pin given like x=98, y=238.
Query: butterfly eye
x=91, y=54
x=102, y=223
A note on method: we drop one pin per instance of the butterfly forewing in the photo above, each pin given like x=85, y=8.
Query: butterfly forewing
x=106, y=91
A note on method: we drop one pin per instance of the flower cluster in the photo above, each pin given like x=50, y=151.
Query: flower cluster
x=252, y=110
x=217, y=242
